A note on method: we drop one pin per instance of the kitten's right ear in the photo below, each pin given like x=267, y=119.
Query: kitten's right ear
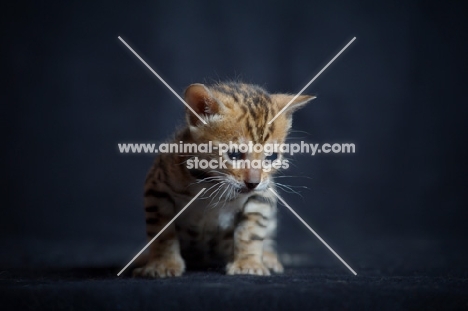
x=202, y=101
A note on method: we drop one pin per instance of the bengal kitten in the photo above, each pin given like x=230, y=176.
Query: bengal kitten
x=234, y=221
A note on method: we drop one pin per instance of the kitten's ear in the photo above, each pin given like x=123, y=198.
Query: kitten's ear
x=282, y=100
x=202, y=101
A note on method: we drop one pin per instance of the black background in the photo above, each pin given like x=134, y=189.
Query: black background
x=72, y=91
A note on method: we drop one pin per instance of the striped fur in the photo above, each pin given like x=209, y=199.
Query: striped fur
x=229, y=224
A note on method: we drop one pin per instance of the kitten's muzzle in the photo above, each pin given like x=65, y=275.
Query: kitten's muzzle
x=251, y=185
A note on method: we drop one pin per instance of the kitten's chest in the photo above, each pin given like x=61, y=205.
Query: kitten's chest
x=206, y=229
x=209, y=217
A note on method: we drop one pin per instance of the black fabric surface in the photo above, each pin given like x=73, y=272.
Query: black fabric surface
x=298, y=288
x=392, y=275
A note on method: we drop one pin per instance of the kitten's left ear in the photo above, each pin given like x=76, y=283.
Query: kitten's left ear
x=282, y=100
x=202, y=101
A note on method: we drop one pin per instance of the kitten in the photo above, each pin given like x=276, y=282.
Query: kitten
x=234, y=221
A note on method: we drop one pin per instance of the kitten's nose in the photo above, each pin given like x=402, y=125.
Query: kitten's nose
x=251, y=185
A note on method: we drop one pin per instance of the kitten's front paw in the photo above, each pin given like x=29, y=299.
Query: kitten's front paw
x=271, y=261
x=161, y=268
x=247, y=266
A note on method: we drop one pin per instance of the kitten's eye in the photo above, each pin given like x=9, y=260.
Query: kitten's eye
x=234, y=155
x=272, y=157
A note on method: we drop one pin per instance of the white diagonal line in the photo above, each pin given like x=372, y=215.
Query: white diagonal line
x=161, y=79
x=312, y=230
x=313, y=79
x=162, y=230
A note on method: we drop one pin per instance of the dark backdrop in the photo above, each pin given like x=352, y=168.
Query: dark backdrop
x=72, y=91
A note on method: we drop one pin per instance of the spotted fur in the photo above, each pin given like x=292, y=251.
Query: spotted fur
x=230, y=224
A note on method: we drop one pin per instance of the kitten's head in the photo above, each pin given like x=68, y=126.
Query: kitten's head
x=239, y=113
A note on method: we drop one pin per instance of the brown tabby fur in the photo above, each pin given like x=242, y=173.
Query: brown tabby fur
x=229, y=224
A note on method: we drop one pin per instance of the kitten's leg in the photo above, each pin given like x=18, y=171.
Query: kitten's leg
x=270, y=257
x=248, y=238
x=164, y=257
